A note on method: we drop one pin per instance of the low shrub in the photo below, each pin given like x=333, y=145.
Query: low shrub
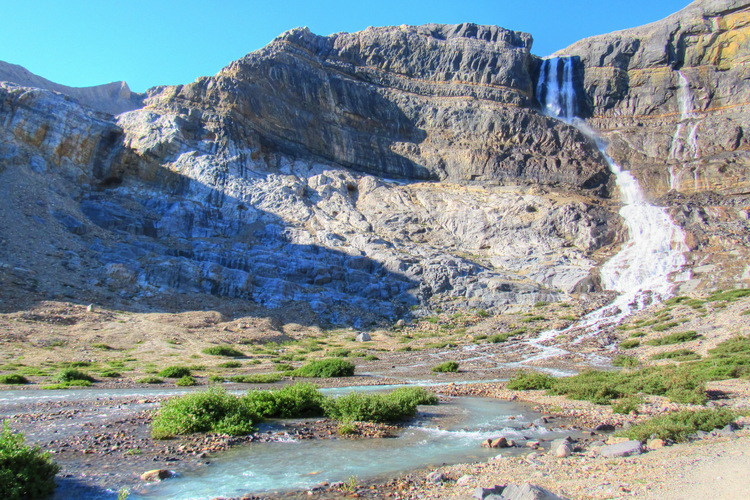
x=213, y=410
x=526, y=380
x=186, y=381
x=499, y=338
x=325, y=368
x=675, y=338
x=395, y=406
x=26, y=473
x=447, y=367
x=175, y=372
x=150, y=380
x=283, y=367
x=677, y=355
x=230, y=364
x=13, y=378
x=680, y=425
x=730, y=295
x=67, y=385
x=625, y=361
x=627, y=405
x=418, y=395
x=292, y=401
x=216, y=379
x=629, y=344
x=371, y=357
x=223, y=350
x=110, y=374
x=71, y=374
x=256, y=378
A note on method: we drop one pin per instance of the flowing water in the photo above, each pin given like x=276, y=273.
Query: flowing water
x=685, y=139
x=640, y=272
x=448, y=433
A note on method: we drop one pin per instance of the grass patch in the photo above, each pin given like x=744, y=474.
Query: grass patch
x=675, y=338
x=630, y=344
x=256, y=378
x=680, y=425
x=636, y=335
x=175, y=372
x=186, y=381
x=526, y=380
x=13, y=379
x=532, y=319
x=729, y=295
x=447, y=367
x=150, y=380
x=71, y=375
x=625, y=361
x=223, y=350
x=677, y=355
x=325, y=368
x=110, y=374
x=627, y=405
x=68, y=385
x=103, y=347
x=25, y=472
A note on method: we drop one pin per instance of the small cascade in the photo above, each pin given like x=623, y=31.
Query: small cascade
x=685, y=138
x=640, y=271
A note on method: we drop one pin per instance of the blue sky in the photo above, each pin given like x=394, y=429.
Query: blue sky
x=164, y=42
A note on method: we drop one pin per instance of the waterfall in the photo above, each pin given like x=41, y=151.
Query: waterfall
x=685, y=138
x=640, y=271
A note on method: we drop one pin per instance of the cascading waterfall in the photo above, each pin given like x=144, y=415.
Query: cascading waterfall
x=640, y=271
x=685, y=139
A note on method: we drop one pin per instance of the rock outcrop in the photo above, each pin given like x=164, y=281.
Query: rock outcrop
x=673, y=97
x=113, y=98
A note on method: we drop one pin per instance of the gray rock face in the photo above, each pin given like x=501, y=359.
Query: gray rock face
x=673, y=97
x=113, y=98
x=423, y=103
x=515, y=492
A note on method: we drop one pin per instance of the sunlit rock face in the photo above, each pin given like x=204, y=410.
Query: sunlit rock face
x=673, y=97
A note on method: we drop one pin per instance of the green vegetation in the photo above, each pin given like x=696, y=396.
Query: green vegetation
x=526, y=380
x=625, y=361
x=103, y=347
x=71, y=375
x=730, y=295
x=629, y=344
x=292, y=401
x=150, y=380
x=256, y=378
x=186, y=381
x=447, y=367
x=211, y=411
x=371, y=357
x=223, y=350
x=391, y=407
x=532, y=319
x=230, y=364
x=324, y=368
x=627, y=405
x=680, y=425
x=175, y=372
x=675, y=338
x=110, y=374
x=67, y=385
x=347, y=428
x=26, y=473
x=677, y=355
x=13, y=378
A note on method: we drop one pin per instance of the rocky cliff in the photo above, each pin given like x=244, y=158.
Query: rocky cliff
x=113, y=98
x=673, y=97
x=359, y=176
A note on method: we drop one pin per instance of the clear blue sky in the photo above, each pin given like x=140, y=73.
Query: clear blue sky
x=160, y=42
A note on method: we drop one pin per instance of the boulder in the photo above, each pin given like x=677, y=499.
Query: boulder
x=623, y=449
x=156, y=475
x=363, y=337
x=436, y=477
x=515, y=492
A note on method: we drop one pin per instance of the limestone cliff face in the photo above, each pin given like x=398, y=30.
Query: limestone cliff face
x=113, y=98
x=430, y=102
x=673, y=97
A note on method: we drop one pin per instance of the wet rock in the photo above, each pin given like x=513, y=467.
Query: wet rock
x=156, y=475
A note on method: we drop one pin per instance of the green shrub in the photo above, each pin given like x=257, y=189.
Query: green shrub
x=532, y=319
x=675, y=338
x=150, y=380
x=213, y=410
x=110, y=374
x=26, y=473
x=636, y=335
x=665, y=326
x=526, y=380
x=71, y=374
x=175, y=372
x=418, y=395
x=216, y=379
x=223, y=350
x=627, y=405
x=730, y=295
x=680, y=425
x=499, y=338
x=292, y=401
x=624, y=361
x=391, y=407
x=283, y=367
x=256, y=378
x=339, y=352
x=13, y=378
x=186, y=381
x=67, y=385
x=629, y=344
x=677, y=355
x=347, y=428
x=324, y=368
x=371, y=357
x=447, y=367
x=230, y=364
